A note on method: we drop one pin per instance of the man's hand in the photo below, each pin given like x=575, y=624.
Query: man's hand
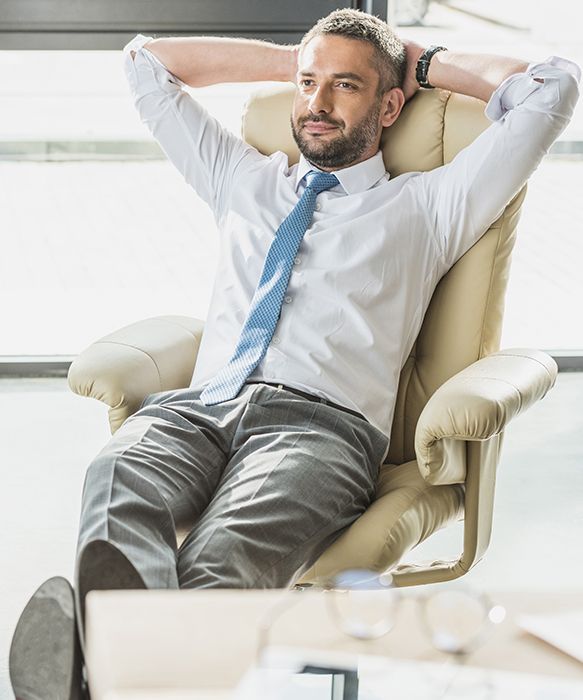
x=411, y=85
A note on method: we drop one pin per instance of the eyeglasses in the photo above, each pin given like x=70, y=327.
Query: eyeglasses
x=364, y=605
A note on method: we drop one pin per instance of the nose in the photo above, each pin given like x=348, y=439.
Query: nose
x=320, y=101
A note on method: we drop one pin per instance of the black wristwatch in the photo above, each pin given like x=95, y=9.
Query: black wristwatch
x=423, y=65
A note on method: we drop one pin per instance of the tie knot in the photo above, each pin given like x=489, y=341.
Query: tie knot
x=319, y=182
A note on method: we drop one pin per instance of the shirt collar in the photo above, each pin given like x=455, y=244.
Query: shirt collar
x=354, y=178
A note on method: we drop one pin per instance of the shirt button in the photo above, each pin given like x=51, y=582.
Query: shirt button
x=275, y=340
x=297, y=261
x=288, y=300
x=318, y=206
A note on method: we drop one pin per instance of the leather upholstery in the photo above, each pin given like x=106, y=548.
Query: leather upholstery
x=146, y=357
x=456, y=393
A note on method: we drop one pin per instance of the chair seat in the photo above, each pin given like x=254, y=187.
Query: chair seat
x=405, y=511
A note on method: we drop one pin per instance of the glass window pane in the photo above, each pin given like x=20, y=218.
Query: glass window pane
x=91, y=245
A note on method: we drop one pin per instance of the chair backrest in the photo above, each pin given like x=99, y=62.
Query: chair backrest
x=463, y=322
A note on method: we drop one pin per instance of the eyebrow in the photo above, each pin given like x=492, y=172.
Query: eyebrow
x=350, y=76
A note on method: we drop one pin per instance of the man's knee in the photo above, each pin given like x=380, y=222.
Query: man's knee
x=118, y=486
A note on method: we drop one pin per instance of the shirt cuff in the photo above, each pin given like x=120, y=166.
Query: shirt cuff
x=137, y=45
x=516, y=88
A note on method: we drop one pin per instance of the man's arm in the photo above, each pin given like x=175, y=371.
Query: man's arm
x=210, y=158
x=201, y=61
x=476, y=75
x=529, y=105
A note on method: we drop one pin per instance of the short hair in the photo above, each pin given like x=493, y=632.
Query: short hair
x=389, y=56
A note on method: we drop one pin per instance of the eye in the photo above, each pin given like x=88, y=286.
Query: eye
x=304, y=81
x=348, y=85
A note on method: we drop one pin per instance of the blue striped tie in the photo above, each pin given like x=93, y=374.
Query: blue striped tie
x=266, y=303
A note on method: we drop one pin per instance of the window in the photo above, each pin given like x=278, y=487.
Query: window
x=99, y=231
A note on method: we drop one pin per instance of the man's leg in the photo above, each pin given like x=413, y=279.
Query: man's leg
x=299, y=473
x=158, y=471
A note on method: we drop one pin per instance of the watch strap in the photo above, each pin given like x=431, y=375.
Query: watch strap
x=423, y=62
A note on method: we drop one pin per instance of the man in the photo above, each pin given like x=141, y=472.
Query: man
x=325, y=272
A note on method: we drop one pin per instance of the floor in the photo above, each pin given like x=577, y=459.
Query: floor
x=50, y=435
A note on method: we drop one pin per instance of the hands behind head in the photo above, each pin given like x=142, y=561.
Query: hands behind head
x=413, y=50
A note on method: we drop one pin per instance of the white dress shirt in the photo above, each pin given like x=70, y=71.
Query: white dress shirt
x=377, y=246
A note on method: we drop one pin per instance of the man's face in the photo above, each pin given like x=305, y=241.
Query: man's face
x=337, y=116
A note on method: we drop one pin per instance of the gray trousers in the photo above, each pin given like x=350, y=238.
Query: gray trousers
x=266, y=482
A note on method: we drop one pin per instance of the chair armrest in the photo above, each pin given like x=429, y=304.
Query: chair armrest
x=405, y=511
x=122, y=368
x=476, y=404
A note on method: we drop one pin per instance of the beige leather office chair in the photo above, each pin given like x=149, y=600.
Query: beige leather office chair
x=457, y=391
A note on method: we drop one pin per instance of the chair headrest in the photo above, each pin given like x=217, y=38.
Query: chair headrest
x=433, y=126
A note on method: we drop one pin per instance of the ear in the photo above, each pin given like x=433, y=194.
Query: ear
x=391, y=106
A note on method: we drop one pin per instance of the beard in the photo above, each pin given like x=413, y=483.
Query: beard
x=344, y=149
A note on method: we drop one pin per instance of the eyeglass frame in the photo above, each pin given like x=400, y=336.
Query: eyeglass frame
x=493, y=613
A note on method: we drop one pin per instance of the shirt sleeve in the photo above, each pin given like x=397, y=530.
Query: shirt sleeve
x=209, y=157
x=463, y=198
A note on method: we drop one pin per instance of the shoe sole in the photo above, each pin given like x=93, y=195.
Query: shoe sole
x=102, y=567
x=45, y=659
